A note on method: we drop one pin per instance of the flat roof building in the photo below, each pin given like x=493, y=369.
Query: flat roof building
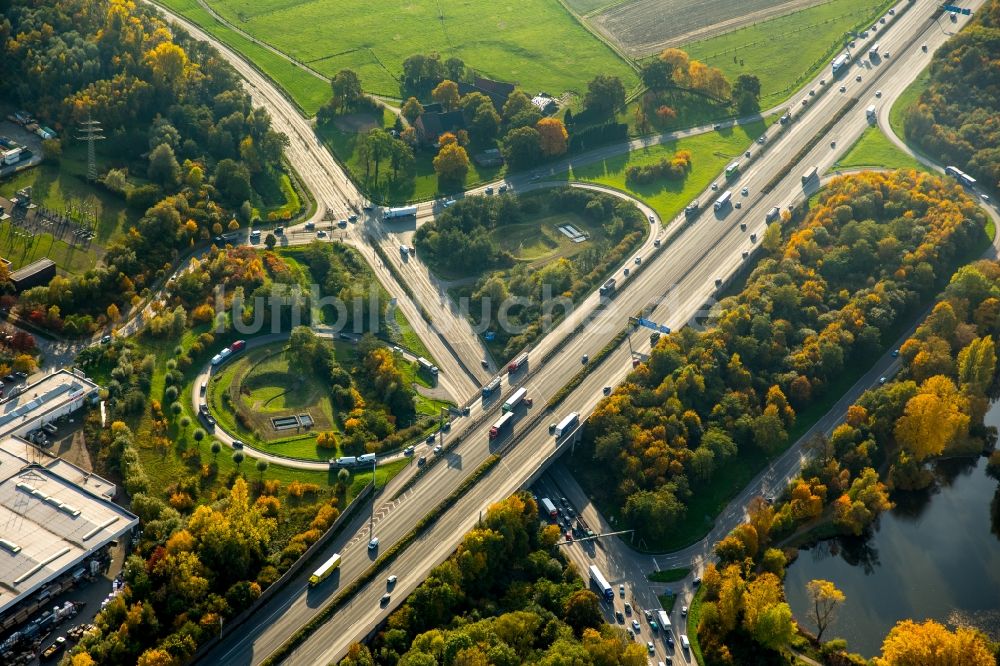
x=34, y=274
x=31, y=406
x=55, y=516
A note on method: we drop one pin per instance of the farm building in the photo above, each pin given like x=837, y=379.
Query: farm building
x=35, y=274
x=497, y=91
x=489, y=158
x=430, y=126
x=544, y=103
x=59, y=523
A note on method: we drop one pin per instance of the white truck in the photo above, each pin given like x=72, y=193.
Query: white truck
x=810, y=174
x=871, y=113
x=566, y=424
x=664, y=619
x=404, y=211
x=519, y=396
x=723, y=200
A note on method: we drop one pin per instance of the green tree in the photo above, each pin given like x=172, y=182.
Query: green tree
x=605, y=94
x=746, y=93
x=216, y=449
x=163, y=166
x=270, y=241
x=346, y=87
x=238, y=458
x=657, y=74
x=262, y=466
x=232, y=180
x=522, y=147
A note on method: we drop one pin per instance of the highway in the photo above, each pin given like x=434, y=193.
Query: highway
x=697, y=255
x=679, y=279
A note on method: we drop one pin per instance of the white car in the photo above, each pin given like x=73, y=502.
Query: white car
x=684, y=611
x=391, y=580
x=878, y=93
x=373, y=544
x=437, y=449
x=715, y=186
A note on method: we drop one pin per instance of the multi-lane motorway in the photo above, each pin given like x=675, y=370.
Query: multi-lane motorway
x=681, y=278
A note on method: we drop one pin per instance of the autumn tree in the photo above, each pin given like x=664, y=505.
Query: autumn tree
x=934, y=419
x=412, y=109
x=931, y=644
x=451, y=164
x=553, y=136
x=446, y=94
x=825, y=599
x=583, y=611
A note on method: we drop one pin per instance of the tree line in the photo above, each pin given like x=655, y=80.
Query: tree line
x=955, y=117
x=505, y=597
x=872, y=249
x=934, y=407
x=187, y=146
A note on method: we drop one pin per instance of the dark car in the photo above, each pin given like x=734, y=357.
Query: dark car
x=21, y=375
x=10, y=378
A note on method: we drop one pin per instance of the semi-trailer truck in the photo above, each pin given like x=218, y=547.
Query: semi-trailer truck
x=518, y=363
x=723, y=200
x=491, y=387
x=608, y=288
x=602, y=583
x=404, y=211
x=519, y=396
x=810, y=174
x=501, y=424
x=566, y=424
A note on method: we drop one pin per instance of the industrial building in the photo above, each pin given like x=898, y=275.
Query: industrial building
x=58, y=519
x=33, y=405
x=34, y=274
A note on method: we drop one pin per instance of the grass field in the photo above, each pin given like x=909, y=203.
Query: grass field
x=711, y=152
x=669, y=575
x=343, y=139
x=536, y=43
x=785, y=51
x=897, y=114
x=873, y=149
x=306, y=90
x=539, y=241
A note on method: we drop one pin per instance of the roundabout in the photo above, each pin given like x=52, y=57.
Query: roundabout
x=269, y=402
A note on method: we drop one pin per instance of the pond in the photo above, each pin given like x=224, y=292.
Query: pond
x=936, y=555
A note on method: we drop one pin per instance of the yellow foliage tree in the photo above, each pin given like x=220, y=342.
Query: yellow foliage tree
x=553, y=136
x=934, y=419
x=931, y=644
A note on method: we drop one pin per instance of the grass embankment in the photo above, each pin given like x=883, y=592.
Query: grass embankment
x=711, y=153
x=787, y=50
x=307, y=91
x=909, y=97
x=874, y=150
